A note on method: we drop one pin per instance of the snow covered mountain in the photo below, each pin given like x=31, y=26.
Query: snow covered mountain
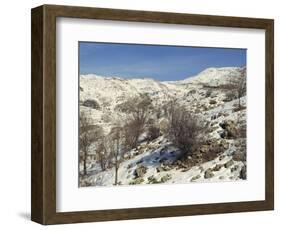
x=205, y=94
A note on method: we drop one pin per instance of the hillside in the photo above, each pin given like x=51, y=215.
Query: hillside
x=221, y=155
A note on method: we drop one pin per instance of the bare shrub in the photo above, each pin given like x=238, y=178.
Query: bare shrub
x=88, y=134
x=185, y=129
x=103, y=152
x=239, y=86
x=116, y=144
x=138, y=112
x=153, y=132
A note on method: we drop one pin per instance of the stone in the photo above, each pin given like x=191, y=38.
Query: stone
x=165, y=178
x=140, y=171
x=212, y=102
x=239, y=156
x=217, y=167
x=137, y=181
x=159, y=169
x=230, y=129
x=152, y=180
x=163, y=159
x=195, y=178
x=204, y=148
x=235, y=168
x=229, y=163
x=208, y=174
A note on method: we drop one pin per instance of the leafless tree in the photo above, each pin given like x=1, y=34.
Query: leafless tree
x=153, y=131
x=116, y=149
x=185, y=129
x=138, y=110
x=239, y=86
x=85, y=140
x=103, y=152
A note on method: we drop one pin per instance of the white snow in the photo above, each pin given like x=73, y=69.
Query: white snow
x=108, y=92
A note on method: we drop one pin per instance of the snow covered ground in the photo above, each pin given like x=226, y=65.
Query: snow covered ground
x=158, y=161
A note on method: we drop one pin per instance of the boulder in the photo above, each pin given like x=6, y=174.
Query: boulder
x=229, y=163
x=137, y=181
x=152, y=180
x=204, y=148
x=217, y=167
x=230, y=129
x=239, y=156
x=165, y=178
x=159, y=169
x=208, y=174
x=195, y=178
x=140, y=171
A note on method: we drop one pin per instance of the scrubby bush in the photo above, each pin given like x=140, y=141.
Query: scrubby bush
x=185, y=129
x=153, y=132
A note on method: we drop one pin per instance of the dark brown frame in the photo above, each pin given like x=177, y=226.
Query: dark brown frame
x=43, y=188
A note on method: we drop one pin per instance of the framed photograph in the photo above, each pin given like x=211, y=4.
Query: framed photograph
x=141, y=114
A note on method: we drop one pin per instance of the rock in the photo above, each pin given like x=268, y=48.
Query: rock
x=204, y=148
x=185, y=170
x=243, y=173
x=217, y=167
x=129, y=166
x=163, y=151
x=140, y=171
x=230, y=129
x=195, y=177
x=152, y=180
x=163, y=159
x=208, y=174
x=221, y=177
x=137, y=181
x=159, y=169
x=223, y=134
x=201, y=169
x=224, y=144
x=239, y=156
x=212, y=102
x=92, y=104
x=165, y=178
x=229, y=163
x=235, y=168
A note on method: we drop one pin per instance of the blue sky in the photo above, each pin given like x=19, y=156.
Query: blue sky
x=162, y=63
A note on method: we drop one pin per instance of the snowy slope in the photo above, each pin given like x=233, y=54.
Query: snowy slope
x=195, y=94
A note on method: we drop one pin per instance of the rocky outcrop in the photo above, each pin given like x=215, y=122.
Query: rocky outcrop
x=140, y=171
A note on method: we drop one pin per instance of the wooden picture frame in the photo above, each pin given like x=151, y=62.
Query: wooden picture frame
x=43, y=205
